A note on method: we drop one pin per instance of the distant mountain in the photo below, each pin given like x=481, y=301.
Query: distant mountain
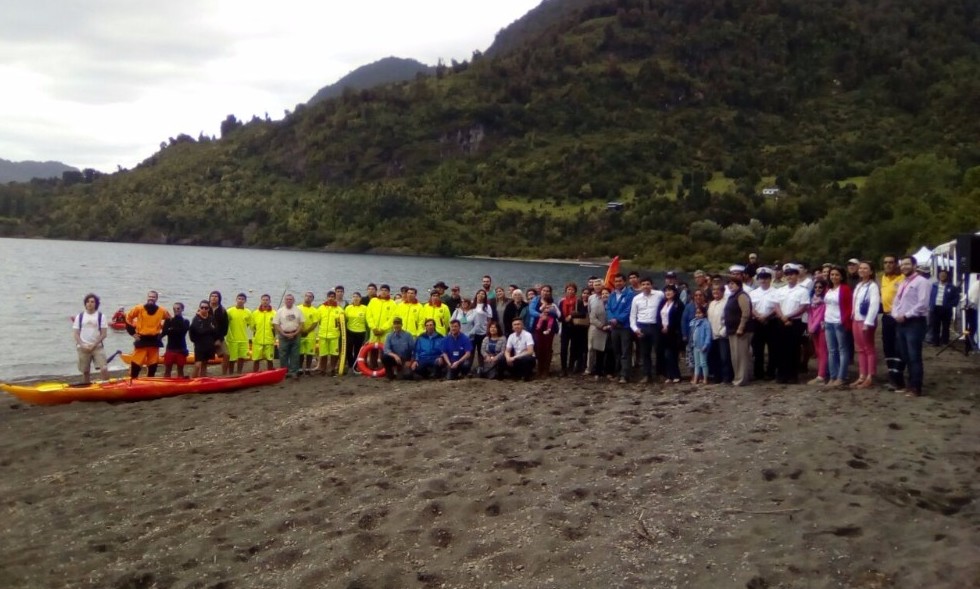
x=383, y=71
x=24, y=171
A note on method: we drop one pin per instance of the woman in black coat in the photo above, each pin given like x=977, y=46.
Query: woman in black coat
x=671, y=337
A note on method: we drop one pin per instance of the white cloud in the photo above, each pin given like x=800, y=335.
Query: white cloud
x=103, y=82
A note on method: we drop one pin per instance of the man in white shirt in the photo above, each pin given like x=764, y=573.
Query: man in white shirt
x=765, y=299
x=91, y=328
x=794, y=301
x=288, y=323
x=519, y=351
x=644, y=319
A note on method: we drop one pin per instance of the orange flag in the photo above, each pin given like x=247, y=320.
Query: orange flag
x=611, y=272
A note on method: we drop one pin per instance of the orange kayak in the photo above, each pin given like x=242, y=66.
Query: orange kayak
x=124, y=389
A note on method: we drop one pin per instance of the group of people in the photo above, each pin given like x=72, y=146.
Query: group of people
x=756, y=322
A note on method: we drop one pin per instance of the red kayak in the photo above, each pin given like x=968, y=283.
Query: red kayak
x=124, y=389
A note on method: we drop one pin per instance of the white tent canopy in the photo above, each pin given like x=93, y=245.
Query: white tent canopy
x=923, y=255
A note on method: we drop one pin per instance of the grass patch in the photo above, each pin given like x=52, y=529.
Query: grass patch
x=857, y=181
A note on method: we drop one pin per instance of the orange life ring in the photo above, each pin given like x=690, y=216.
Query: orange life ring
x=362, y=360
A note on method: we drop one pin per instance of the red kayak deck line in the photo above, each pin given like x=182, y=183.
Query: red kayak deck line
x=58, y=393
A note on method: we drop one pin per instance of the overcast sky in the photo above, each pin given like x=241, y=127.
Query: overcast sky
x=101, y=83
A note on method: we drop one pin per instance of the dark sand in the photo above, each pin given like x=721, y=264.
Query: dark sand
x=557, y=483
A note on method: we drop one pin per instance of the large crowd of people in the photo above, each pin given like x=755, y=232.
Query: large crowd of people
x=756, y=322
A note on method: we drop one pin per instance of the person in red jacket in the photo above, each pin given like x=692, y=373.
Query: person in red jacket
x=837, y=325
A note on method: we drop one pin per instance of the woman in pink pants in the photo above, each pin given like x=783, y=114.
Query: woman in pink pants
x=818, y=336
x=867, y=301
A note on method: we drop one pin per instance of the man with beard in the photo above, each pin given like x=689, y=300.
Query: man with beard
x=145, y=323
x=910, y=308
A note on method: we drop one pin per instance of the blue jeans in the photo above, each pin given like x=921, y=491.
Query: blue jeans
x=911, y=335
x=838, y=351
x=289, y=355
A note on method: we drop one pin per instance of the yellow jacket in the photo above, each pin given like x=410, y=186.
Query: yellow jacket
x=331, y=321
x=380, y=312
x=262, y=332
x=438, y=314
x=411, y=316
x=356, y=318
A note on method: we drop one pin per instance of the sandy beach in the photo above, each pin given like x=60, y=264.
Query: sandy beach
x=359, y=483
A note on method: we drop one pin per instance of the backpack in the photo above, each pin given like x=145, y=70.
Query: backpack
x=79, y=320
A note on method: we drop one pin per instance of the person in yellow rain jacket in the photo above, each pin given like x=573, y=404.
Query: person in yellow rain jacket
x=236, y=340
x=410, y=312
x=356, y=316
x=380, y=312
x=307, y=345
x=331, y=322
x=436, y=310
x=263, y=334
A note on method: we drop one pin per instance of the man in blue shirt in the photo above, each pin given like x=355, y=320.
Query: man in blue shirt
x=398, y=350
x=457, y=352
x=428, y=352
x=618, y=315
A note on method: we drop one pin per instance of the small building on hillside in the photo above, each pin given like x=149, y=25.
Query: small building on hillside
x=614, y=206
x=771, y=191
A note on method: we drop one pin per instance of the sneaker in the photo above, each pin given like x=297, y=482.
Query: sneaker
x=644, y=380
x=622, y=381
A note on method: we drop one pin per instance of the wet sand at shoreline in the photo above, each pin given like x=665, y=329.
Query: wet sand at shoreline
x=360, y=483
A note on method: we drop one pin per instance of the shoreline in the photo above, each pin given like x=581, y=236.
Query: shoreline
x=559, y=482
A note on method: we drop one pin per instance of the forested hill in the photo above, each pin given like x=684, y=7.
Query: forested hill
x=861, y=113
x=383, y=71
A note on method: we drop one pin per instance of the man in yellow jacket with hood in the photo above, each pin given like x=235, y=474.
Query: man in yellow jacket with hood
x=437, y=311
x=380, y=313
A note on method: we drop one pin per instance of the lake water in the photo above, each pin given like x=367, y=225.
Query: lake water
x=42, y=284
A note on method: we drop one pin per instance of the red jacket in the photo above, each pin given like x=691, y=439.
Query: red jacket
x=846, y=306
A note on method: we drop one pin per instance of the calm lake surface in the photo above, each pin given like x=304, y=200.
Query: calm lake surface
x=42, y=284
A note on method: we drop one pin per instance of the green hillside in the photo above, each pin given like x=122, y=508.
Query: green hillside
x=682, y=111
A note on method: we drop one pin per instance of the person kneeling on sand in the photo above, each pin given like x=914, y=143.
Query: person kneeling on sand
x=519, y=351
x=398, y=351
x=428, y=353
x=457, y=352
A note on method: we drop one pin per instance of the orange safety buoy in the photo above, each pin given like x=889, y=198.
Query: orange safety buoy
x=362, y=360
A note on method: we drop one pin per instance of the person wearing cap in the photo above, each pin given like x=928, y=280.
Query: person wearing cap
x=738, y=325
x=736, y=271
x=910, y=309
x=778, y=281
x=438, y=312
x=793, y=302
x=453, y=299
x=399, y=348
x=380, y=312
x=766, y=336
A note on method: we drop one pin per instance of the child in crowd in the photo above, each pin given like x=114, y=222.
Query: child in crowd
x=701, y=336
